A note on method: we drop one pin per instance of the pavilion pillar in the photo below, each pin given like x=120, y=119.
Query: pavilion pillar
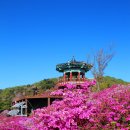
x=49, y=101
x=70, y=76
x=64, y=77
x=83, y=76
x=79, y=75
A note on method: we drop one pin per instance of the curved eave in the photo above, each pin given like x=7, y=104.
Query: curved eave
x=77, y=65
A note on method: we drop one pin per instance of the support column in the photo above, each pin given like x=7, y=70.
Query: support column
x=49, y=101
x=70, y=76
x=26, y=109
x=83, y=76
x=79, y=75
x=64, y=77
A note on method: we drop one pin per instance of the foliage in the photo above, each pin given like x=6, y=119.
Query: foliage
x=80, y=109
x=108, y=81
x=46, y=84
x=6, y=95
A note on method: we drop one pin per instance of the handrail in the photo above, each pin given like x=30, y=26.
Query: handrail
x=73, y=79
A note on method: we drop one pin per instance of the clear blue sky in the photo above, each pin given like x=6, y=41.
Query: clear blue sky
x=35, y=35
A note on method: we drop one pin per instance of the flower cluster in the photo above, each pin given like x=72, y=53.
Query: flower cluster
x=82, y=109
x=57, y=92
x=12, y=123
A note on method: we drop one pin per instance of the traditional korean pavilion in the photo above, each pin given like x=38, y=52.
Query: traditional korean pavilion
x=73, y=72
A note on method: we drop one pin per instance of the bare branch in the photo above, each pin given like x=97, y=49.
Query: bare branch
x=100, y=61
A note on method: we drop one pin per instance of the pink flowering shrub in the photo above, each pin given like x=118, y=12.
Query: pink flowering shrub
x=11, y=123
x=57, y=92
x=81, y=109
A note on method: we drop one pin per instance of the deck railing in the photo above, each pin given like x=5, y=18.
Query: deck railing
x=78, y=81
x=73, y=79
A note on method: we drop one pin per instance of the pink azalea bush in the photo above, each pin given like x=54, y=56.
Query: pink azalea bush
x=81, y=109
x=11, y=123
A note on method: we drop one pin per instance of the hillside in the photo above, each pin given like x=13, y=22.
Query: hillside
x=6, y=95
x=108, y=81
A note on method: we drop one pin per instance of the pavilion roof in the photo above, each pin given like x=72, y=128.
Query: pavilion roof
x=73, y=64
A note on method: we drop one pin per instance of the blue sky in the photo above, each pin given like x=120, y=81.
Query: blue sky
x=35, y=35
